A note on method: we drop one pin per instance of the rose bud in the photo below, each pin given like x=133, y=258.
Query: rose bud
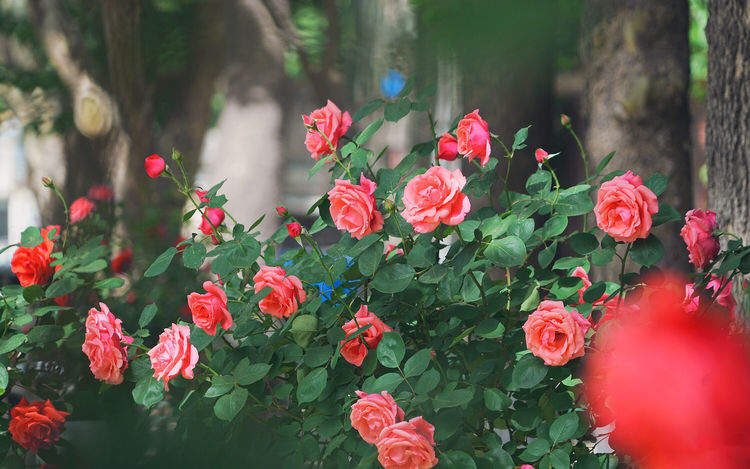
x=155, y=165
x=294, y=229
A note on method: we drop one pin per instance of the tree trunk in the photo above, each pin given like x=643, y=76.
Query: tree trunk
x=636, y=103
x=728, y=114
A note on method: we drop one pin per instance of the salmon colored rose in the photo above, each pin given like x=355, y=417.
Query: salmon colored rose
x=173, y=355
x=32, y=264
x=103, y=345
x=36, y=425
x=435, y=197
x=210, y=309
x=80, y=209
x=447, y=147
x=329, y=121
x=286, y=291
x=698, y=234
x=554, y=334
x=353, y=207
x=624, y=208
x=355, y=350
x=407, y=445
x=216, y=217
x=473, y=137
x=101, y=193
x=154, y=165
x=372, y=413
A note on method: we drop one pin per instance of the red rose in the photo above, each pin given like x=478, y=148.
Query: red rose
x=123, y=261
x=36, y=425
x=80, y=209
x=32, y=265
x=281, y=211
x=294, y=229
x=155, y=165
x=447, y=147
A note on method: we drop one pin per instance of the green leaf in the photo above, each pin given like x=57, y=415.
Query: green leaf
x=647, y=251
x=3, y=378
x=576, y=204
x=559, y=459
x=359, y=158
x=32, y=292
x=109, y=283
x=531, y=301
x=391, y=350
x=427, y=382
x=367, y=109
x=62, y=287
x=316, y=167
x=312, y=385
x=490, y=329
x=539, y=183
x=496, y=400
x=387, y=382
x=535, y=450
x=229, y=405
x=395, y=110
x=555, y=226
x=567, y=263
x=369, y=131
x=220, y=385
x=31, y=237
x=318, y=356
x=92, y=267
x=602, y=256
x=393, y=278
x=417, y=363
x=603, y=163
x=147, y=315
x=564, y=427
x=500, y=458
x=148, y=391
x=247, y=374
x=519, y=138
x=304, y=328
x=583, y=243
x=509, y=251
x=198, y=338
x=546, y=255
x=161, y=263
x=369, y=261
x=45, y=333
x=528, y=372
x=666, y=214
x=594, y=292
x=456, y=460
x=453, y=398
x=657, y=183
x=11, y=343
x=434, y=274
x=193, y=256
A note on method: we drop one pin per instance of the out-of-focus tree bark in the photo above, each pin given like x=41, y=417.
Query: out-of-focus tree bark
x=637, y=64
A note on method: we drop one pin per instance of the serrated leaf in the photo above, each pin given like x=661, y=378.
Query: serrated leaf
x=247, y=374
x=496, y=400
x=193, y=256
x=564, y=427
x=31, y=237
x=45, y=333
x=148, y=391
x=427, y=382
x=520, y=137
x=62, y=287
x=490, y=328
x=528, y=372
x=393, y=278
x=657, y=183
x=316, y=167
x=220, y=385
x=509, y=251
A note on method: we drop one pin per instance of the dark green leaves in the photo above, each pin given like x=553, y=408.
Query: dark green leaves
x=657, y=183
x=229, y=405
x=391, y=350
x=312, y=385
x=564, y=427
x=369, y=131
x=194, y=255
x=528, y=372
x=367, y=109
x=583, y=243
x=148, y=391
x=393, y=278
x=417, y=363
x=147, y=315
x=161, y=263
x=506, y=252
x=395, y=110
x=520, y=137
x=647, y=251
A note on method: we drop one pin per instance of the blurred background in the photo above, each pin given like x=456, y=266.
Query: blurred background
x=89, y=88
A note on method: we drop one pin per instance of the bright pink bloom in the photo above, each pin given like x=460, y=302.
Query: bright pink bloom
x=173, y=355
x=155, y=165
x=374, y=412
x=624, y=208
x=103, y=345
x=540, y=155
x=473, y=137
x=216, y=217
x=80, y=209
x=286, y=292
x=435, y=197
x=698, y=234
x=210, y=309
x=294, y=229
x=447, y=147
x=724, y=299
x=328, y=121
x=353, y=207
x=407, y=445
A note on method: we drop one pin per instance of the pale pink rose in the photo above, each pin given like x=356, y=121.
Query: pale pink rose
x=80, y=209
x=372, y=413
x=554, y=334
x=447, y=147
x=540, y=155
x=473, y=137
x=354, y=351
x=698, y=234
x=624, y=208
x=103, y=345
x=216, y=217
x=286, y=293
x=210, y=309
x=435, y=197
x=407, y=445
x=173, y=355
x=353, y=207
x=332, y=123
x=725, y=299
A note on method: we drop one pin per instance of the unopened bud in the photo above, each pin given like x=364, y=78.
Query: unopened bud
x=47, y=182
x=565, y=120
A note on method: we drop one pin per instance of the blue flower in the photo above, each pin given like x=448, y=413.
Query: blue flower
x=392, y=83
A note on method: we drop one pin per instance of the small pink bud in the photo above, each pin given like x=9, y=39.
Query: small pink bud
x=155, y=165
x=294, y=229
x=541, y=155
x=281, y=211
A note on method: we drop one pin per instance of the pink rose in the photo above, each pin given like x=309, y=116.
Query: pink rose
x=101, y=192
x=355, y=350
x=202, y=196
x=407, y=445
x=389, y=248
x=353, y=207
x=554, y=334
x=447, y=147
x=103, y=345
x=210, y=309
x=286, y=293
x=372, y=413
x=698, y=234
x=155, y=165
x=540, y=155
x=294, y=229
x=80, y=209
x=281, y=211
x=173, y=355
x=691, y=303
x=216, y=217
x=581, y=273
x=526, y=466
x=474, y=137
x=330, y=122
x=435, y=197
x=624, y=208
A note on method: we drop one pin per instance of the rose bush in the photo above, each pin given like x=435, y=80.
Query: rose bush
x=437, y=330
